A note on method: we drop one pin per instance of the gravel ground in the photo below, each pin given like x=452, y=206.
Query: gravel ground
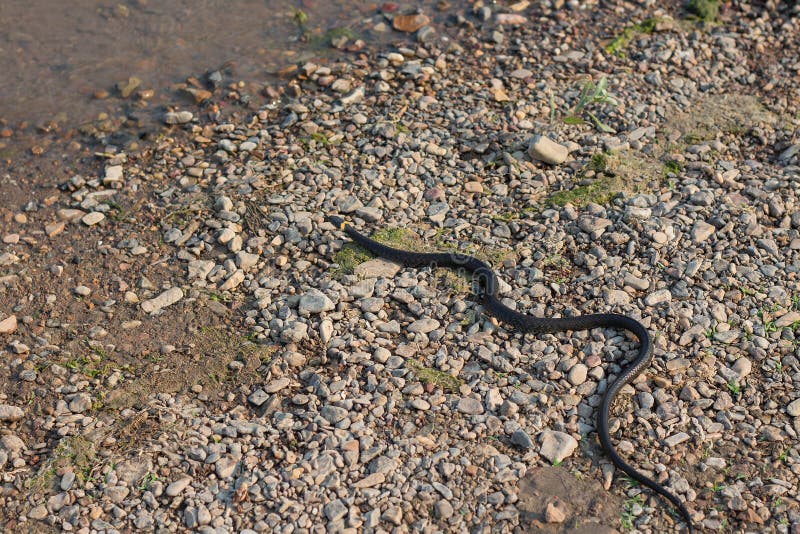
x=189, y=346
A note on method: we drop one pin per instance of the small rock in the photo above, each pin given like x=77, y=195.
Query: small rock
x=82, y=291
x=557, y=445
x=702, y=231
x=676, y=439
x=175, y=488
x=92, y=218
x=225, y=467
x=10, y=413
x=511, y=19
x=334, y=510
x=277, y=385
x=787, y=319
x=178, y=117
x=742, y=367
x=423, y=326
x=521, y=439
x=167, y=298
x=657, y=297
x=470, y=406
x=377, y=268
x=333, y=414
x=577, y=375
x=38, y=512
x=793, y=408
x=258, y=397
x=554, y=514
x=233, y=281
x=80, y=403
x=409, y=23
x=617, y=297
x=315, y=301
x=443, y=509
x=8, y=325
x=545, y=149
x=116, y=494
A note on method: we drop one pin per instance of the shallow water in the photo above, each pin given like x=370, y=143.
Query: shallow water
x=55, y=55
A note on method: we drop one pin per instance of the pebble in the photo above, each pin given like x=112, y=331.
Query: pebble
x=554, y=514
x=702, y=231
x=8, y=325
x=578, y=374
x=544, y=149
x=521, y=439
x=10, y=413
x=742, y=367
x=793, y=408
x=658, y=297
x=676, y=439
x=92, y=218
x=167, y=298
x=470, y=406
x=556, y=446
x=616, y=297
x=178, y=117
x=315, y=302
x=423, y=326
x=409, y=23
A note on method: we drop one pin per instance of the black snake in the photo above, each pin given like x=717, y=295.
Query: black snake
x=487, y=285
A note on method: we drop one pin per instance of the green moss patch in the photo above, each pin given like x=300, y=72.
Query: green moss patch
x=429, y=375
x=600, y=191
x=703, y=10
x=617, y=45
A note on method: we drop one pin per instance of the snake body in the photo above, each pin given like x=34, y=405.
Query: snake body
x=487, y=285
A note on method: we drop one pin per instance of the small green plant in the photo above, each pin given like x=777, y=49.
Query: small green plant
x=734, y=388
x=703, y=10
x=617, y=46
x=769, y=327
x=592, y=94
x=784, y=455
x=320, y=138
x=557, y=462
x=300, y=17
x=671, y=167
x=600, y=191
x=627, y=518
x=717, y=487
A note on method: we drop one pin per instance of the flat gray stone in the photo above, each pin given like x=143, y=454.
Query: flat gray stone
x=167, y=298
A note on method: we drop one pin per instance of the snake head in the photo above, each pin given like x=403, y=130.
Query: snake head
x=338, y=222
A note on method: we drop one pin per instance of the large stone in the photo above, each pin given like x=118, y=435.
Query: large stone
x=315, y=301
x=8, y=325
x=545, y=149
x=702, y=231
x=470, y=406
x=793, y=409
x=10, y=413
x=167, y=298
x=377, y=268
x=557, y=445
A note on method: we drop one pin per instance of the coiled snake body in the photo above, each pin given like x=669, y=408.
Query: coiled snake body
x=487, y=290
